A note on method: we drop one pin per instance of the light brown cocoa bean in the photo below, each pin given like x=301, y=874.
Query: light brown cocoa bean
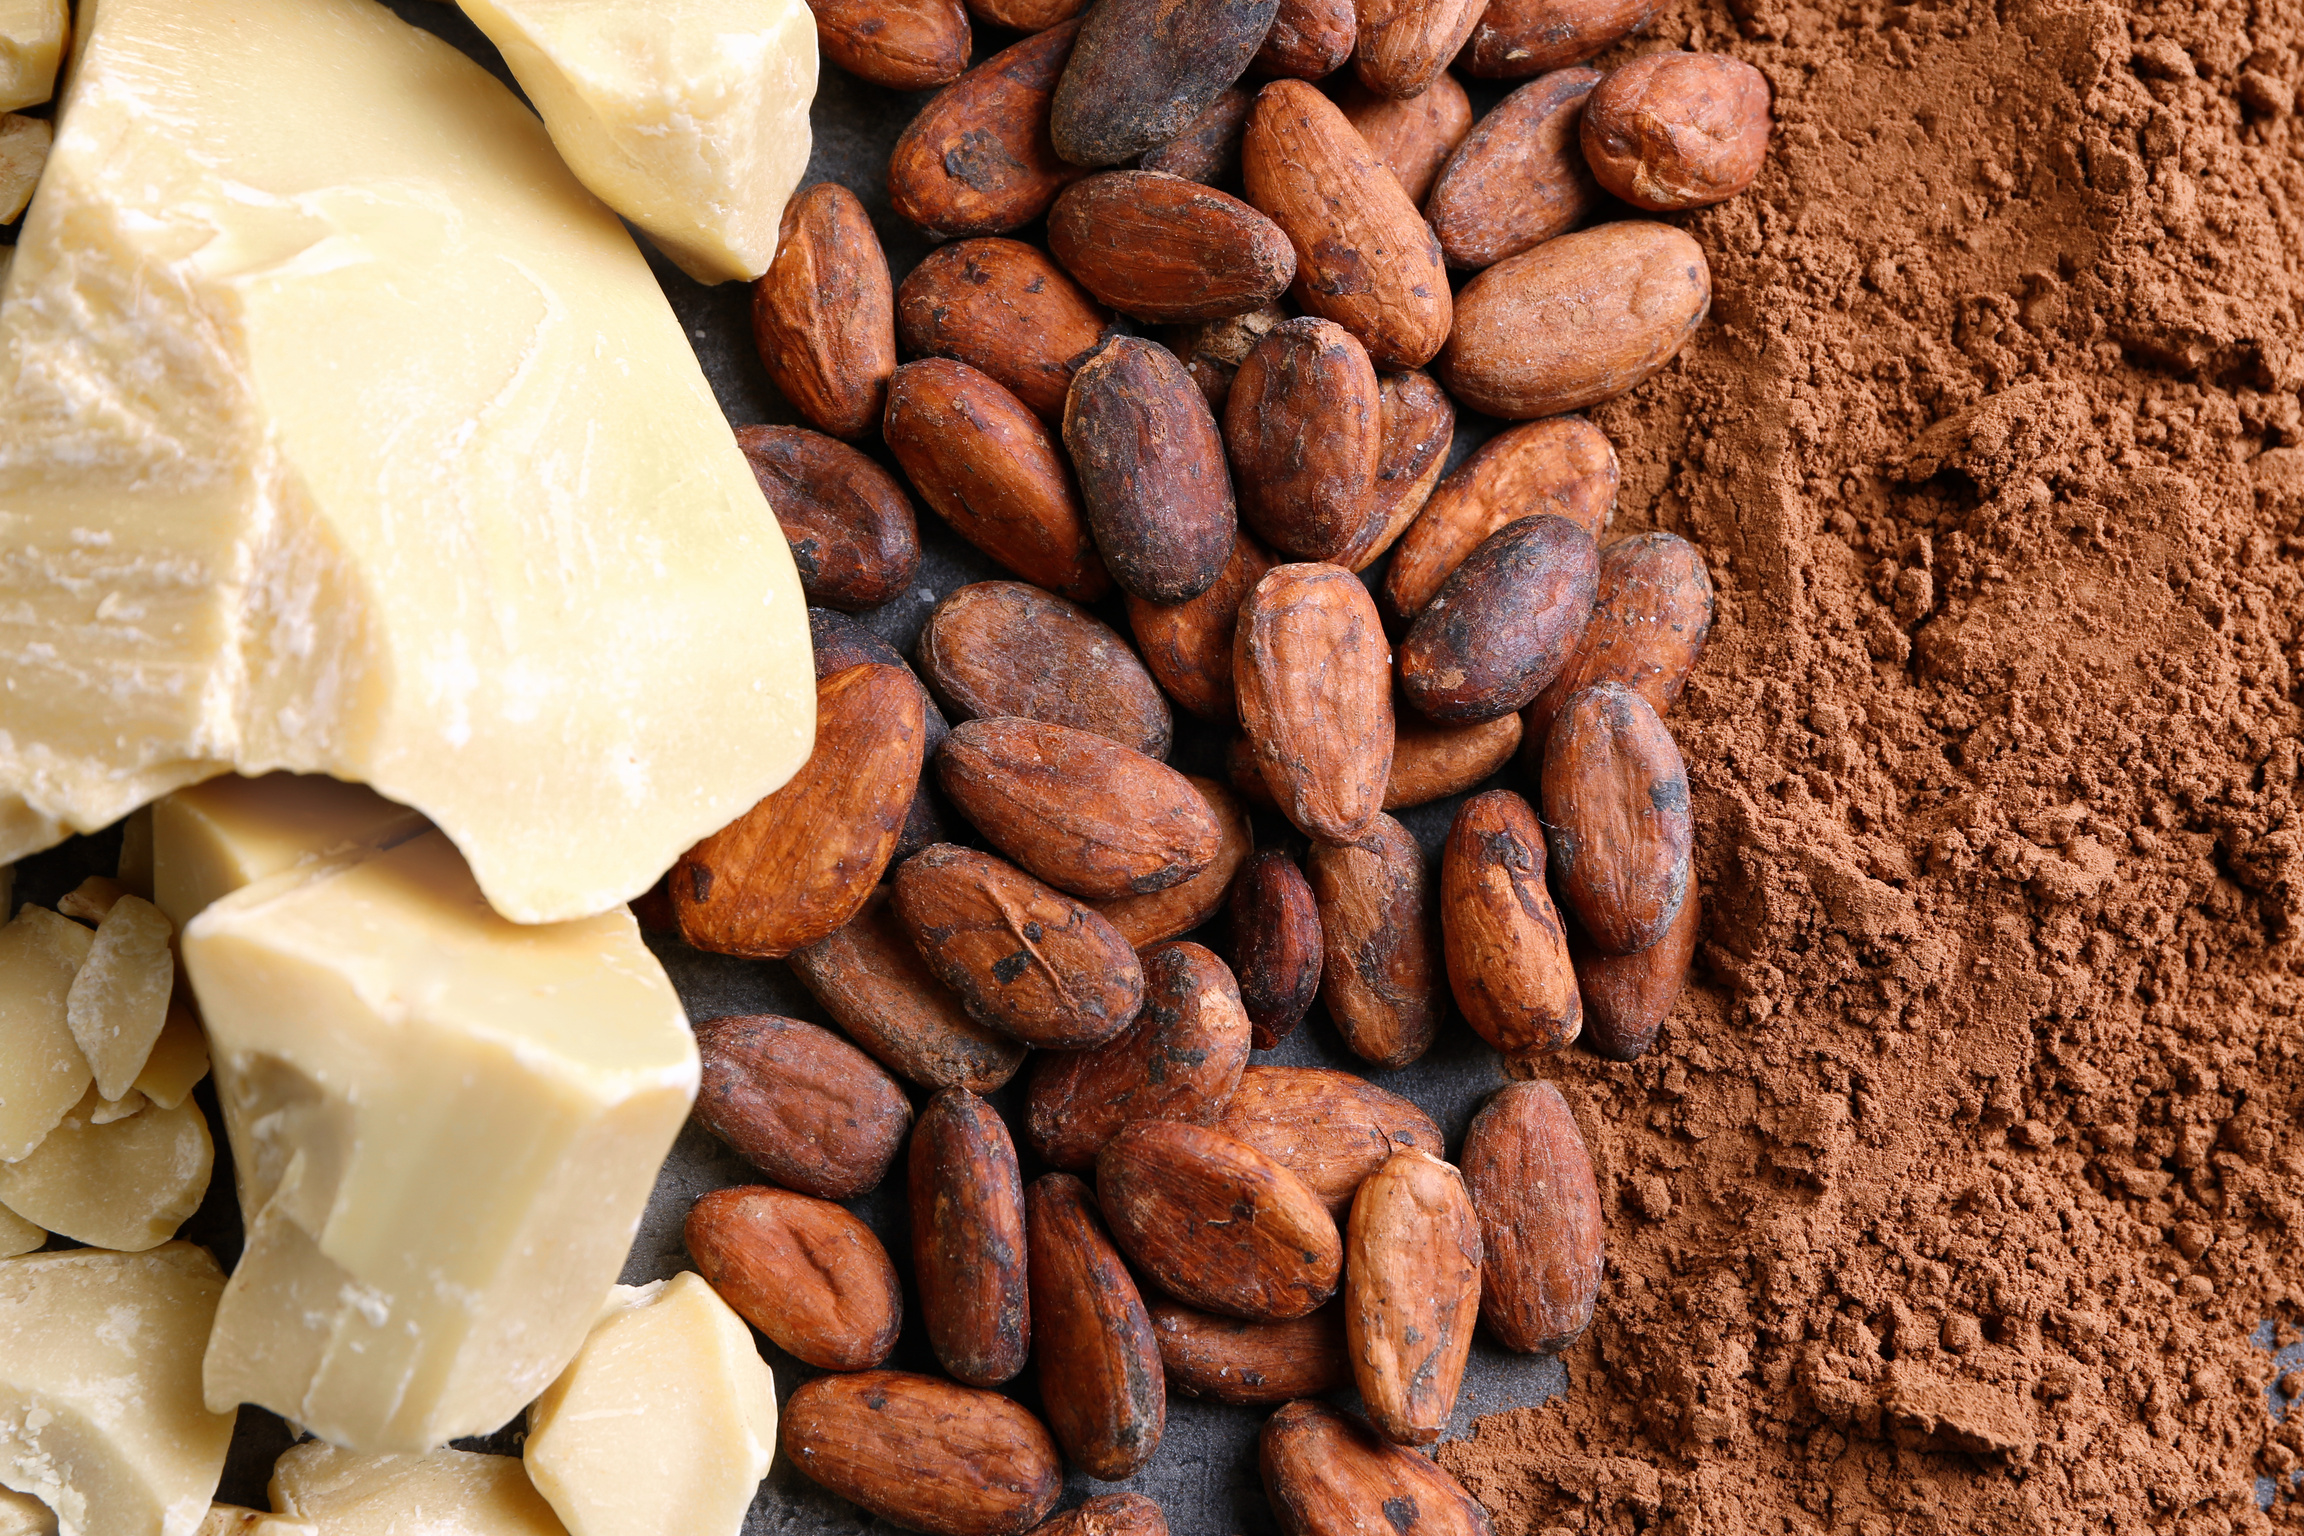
x=1364, y=257
x=1180, y=1060
x=799, y=864
x=850, y=525
x=1024, y=957
x=1003, y=648
x=990, y=469
x=1026, y=15
x=1188, y=645
x=1519, y=38
x=1411, y=1294
x=1507, y=950
x=1650, y=619
x=1406, y=44
x=1419, y=428
x=1213, y=350
x=1616, y=818
x=1109, y=1514
x=1161, y=915
x=1519, y=177
x=1151, y=471
x=1276, y=945
x=1313, y=675
x=1678, y=130
x=839, y=643
x=905, y=45
x=1207, y=150
x=1309, y=40
x=1503, y=624
x=1328, y=1474
x=824, y=313
x=1414, y=137
x=802, y=1271
x=969, y=1251
x=1304, y=424
x=1144, y=69
x=1162, y=248
x=978, y=160
x=1245, y=777
x=1099, y=1366
x=1216, y=1223
x=1576, y=321
x=1233, y=1360
x=1381, y=976
x=1431, y=762
x=1564, y=467
x=1002, y=307
x=1331, y=1129
x=1540, y=1220
x=924, y=1454
x=872, y=981
x=1626, y=997
x=799, y=1103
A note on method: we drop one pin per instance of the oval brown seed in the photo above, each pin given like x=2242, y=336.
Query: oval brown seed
x=1678, y=130
x=1024, y=957
x=1507, y=952
x=1328, y=1474
x=1503, y=624
x=924, y=1454
x=1309, y=40
x=1575, y=321
x=1144, y=69
x=872, y=981
x=1626, y=997
x=978, y=160
x=1519, y=178
x=1519, y=38
x=1406, y=44
x=987, y=466
x=1213, y=350
x=799, y=864
x=969, y=1254
x=824, y=313
x=1026, y=15
x=1411, y=138
x=1331, y=1129
x=1002, y=307
x=1161, y=915
x=1540, y=1220
x=802, y=1271
x=1002, y=648
x=1151, y=471
x=1411, y=1294
x=1366, y=260
x=840, y=643
x=1381, y=974
x=1180, y=1060
x=849, y=523
x=1208, y=148
x=1431, y=762
x=1276, y=945
x=1099, y=1365
x=799, y=1103
x=1247, y=779
x=1109, y=1514
x=1311, y=667
x=1216, y=1223
x=1564, y=467
x=1616, y=817
x=1163, y=248
x=1304, y=423
x=1233, y=1360
x=1083, y=813
x=1188, y=645
x=905, y=45
x=1649, y=623
x=1419, y=429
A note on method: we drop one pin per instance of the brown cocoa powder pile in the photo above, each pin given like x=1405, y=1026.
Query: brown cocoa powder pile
x=1954, y=1189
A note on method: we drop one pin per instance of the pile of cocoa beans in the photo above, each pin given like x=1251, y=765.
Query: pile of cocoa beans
x=1255, y=1234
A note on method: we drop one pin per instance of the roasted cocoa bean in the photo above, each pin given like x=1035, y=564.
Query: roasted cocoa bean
x=1304, y=424
x=1163, y=248
x=1233, y=1360
x=1188, y=645
x=1406, y=44
x=978, y=160
x=1003, y=648
x=1414, y=137
x=799, y=1103
x=1276, y=945
x=924, y=1454
x=1678, y=130
x=1161, y=915
x=1328, y=1474
x=1315, y=697
x=1507, y=952
x=1151, y=471
x=1649, y=623
x=1331, y=1129
x=1003, y=308
x=1519, y=178
x=1431, y=762
x=1419, y=428
x=1616, y=818
x=1099, y=1365
x=1540, y=1221
x=1144, y=69
x=1411, y=1294
x=1626, y=997
x=824, y=313
x=1503, y=624
x=905, y=45
x=1109, y=1514
x=849, y=523
x=1309, y=40
x=1381, y=976
x=1564, y=468
x=802, y=1271
x=1518, y=38
x=1213, y=350
x=969, y=1252
x=1208, y=149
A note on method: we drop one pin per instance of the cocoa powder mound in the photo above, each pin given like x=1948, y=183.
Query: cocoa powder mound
x=1956, y=1187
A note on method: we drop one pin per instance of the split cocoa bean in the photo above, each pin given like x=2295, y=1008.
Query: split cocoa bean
x=1024, y=957
x=1626, y=997
x=824, y=313
x=977, y=160
x=1431, y=762
x=1188, y=645
x=799, y=864
x=1180, y=1060
x=1507, y=949
x=1002, y=307
x=1503, y=624
x=1404, y=45
x=1163, y=248
x=1216, y=1223
x=1151, y=471
x=1208, y=148
x=1519, y=38
x=1564, y=467
x=1331, y=1129
x=1161, y=915
x=969, y=1254
x=1519, y=177
x=1419, y=428
x=1678, y=130
x=1144, y=69
x=1099, y=1364
x=924, y=1454
x=1304, y=423
x=1616, y=818
x=1414, y=137
x=1540, y=1221
x=1650, y=618
x=1232, y=1360
x=799, y=1103
x=802, y=1271
x=1310, y=663
x=1003, y=648
x=853, y=536
x=1328, y=1474
x=1381, y=975
x=1276, y=945
x=1411, y=1294
x=905, y=45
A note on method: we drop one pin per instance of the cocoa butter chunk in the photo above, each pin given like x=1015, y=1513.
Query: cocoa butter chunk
x=969, y=1252
x=924, y=1454
x=1627, y=997
x=1616, y=816
x=854, y=538
x=1503, y=624
x=1142, y=70
x=1024, y=957
x=1650, y=618
x=1099, y=1364
x=1382, y=976
x=358, y=1494
x=1004, y=648
x=122, y=1175
x=1518, y=38
x=1329, y=1474
x=824, y=314
x=1234, y=1360
x=1519, y=178
x=1564, y=466
x=1678, y=130
x=1531, y=1182
x=977, y=160
x=1312, y=668
x=803, y=1271
x=799, y=1103
x=1575, y=321
x=1411, y=1294
x=1508, y=959
x=1151, y=470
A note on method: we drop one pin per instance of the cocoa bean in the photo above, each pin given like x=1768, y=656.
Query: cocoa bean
x=1419, y=428
x=1519, y=178
x=1381, y=976
x=1276, y=945
x=1235, y=1361
x=1162, y=248
x=1309, y=40
x=1213, y=350
x=1208, y=148
x=1304, y=423
x=1414, y=137
x=1431, y=762
x=1564, y=468
x=978, y=160
x=1099, y=1365
x=1002, y=648
x=1540, y=1221
x=824, y=313
x=1507, y=953
x=1188, y=645
x=1616, y=817
x=1026, y=15
x=1109, y=1514
x=1411, y=1294
x=1678, y=130
x=969, y=1251
x=1331, y=1129
x=1002, y=307
x=1310, y=664
x=1503, y=624
x=1151, y=471
x=1144, y=69
x=1328, y=1474
x=1406, y=44
x=849, y=523
x=905, y=45
x=802, y=1271
x=799, y=1103
x=923, y=1454
x=1161, y=915
x=840, y=643
x=1245, y=777
x=1650, y=619
x=1627, y=996
x=1518, y=38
